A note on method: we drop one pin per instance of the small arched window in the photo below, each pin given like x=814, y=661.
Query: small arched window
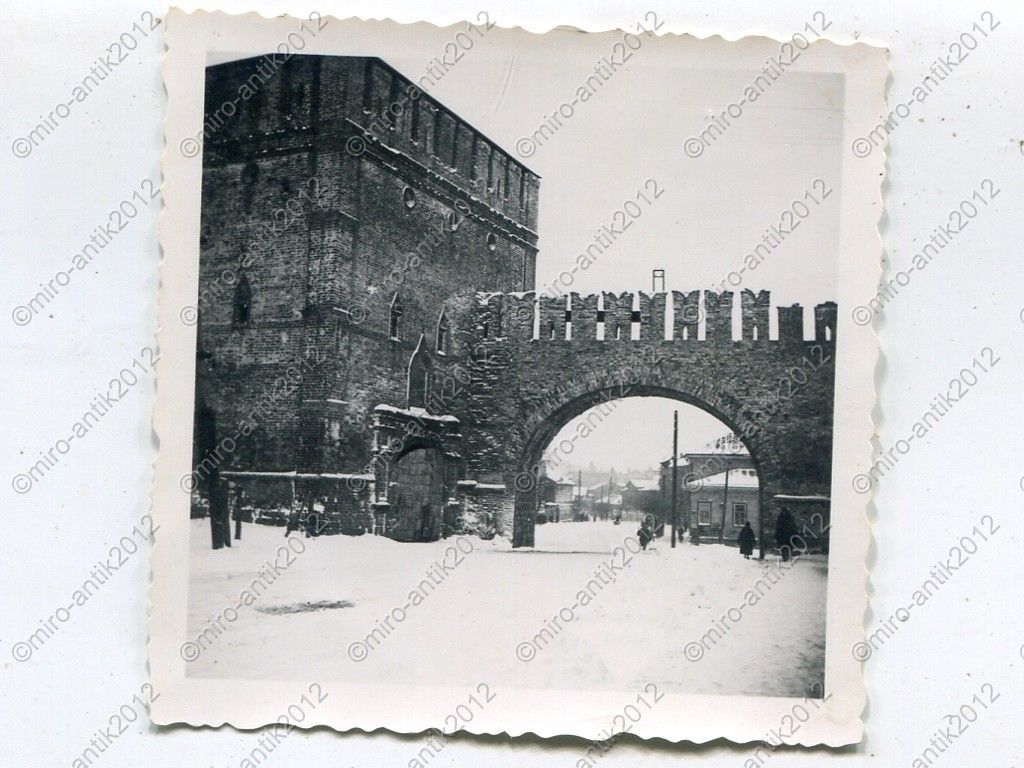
x=242, y=309
x=368, y=87
x=414, y=128
x=474, y=161
x=250, y=176
x=395, y=319
x=435, y=144
x=443, y=334
x=418, y=387
x=285, y=94
x=455, y=146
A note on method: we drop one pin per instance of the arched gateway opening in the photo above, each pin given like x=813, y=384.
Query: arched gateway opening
x=417, y=492
x=600, y=465
x=775, y=394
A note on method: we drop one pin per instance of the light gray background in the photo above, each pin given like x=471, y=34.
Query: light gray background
x=970, y=464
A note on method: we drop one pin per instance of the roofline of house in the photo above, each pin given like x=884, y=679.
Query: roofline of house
x=686, y=456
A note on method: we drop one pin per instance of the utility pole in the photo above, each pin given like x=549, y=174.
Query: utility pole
x=608, y=506
x=725, y=507
x=579, y=493
x=675, y=470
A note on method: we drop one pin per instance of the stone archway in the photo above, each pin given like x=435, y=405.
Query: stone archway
x=525, y=485
x=416, y=462
x=777, y=395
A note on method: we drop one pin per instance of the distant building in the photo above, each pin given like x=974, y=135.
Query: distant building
x=602, y=501
x=701, y=478
x=727, y=452
x=556, y=497
x=736, y=492
x=642, y=497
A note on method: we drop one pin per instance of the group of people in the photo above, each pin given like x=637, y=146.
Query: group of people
x=785, y=530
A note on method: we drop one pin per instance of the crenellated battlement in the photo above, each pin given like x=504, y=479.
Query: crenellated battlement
x=690, y=316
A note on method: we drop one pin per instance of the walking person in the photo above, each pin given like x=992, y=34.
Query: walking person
x=747, y=540
x=645, y=534
x=785, y=529
x=292, y=523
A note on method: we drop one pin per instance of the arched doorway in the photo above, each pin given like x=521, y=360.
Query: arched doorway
x=719, y=487
x=416, y=495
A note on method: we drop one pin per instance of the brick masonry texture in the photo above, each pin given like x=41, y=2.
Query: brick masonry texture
x=362, y=246
x=776, y=395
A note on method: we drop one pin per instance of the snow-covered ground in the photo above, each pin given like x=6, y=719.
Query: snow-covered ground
x=574, y=613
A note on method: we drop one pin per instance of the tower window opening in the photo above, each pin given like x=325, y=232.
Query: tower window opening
x=443, y=334
x=242, y=309
x=395, y=319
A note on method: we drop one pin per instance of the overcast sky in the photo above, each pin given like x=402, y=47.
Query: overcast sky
x=714, y=209
x=635, y=433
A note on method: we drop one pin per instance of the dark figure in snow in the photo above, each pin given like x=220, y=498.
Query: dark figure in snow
x=747, y=540
x=293, y=522
x=644, y=534
x=785, y=530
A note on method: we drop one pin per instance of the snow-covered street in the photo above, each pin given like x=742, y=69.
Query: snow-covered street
x=369, y=609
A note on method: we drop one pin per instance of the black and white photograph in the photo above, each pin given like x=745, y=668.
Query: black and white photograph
x=605, y=385
x=388, y=396
x=495, y=382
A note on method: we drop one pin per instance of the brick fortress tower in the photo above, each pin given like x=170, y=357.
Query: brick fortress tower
x=342, y=208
